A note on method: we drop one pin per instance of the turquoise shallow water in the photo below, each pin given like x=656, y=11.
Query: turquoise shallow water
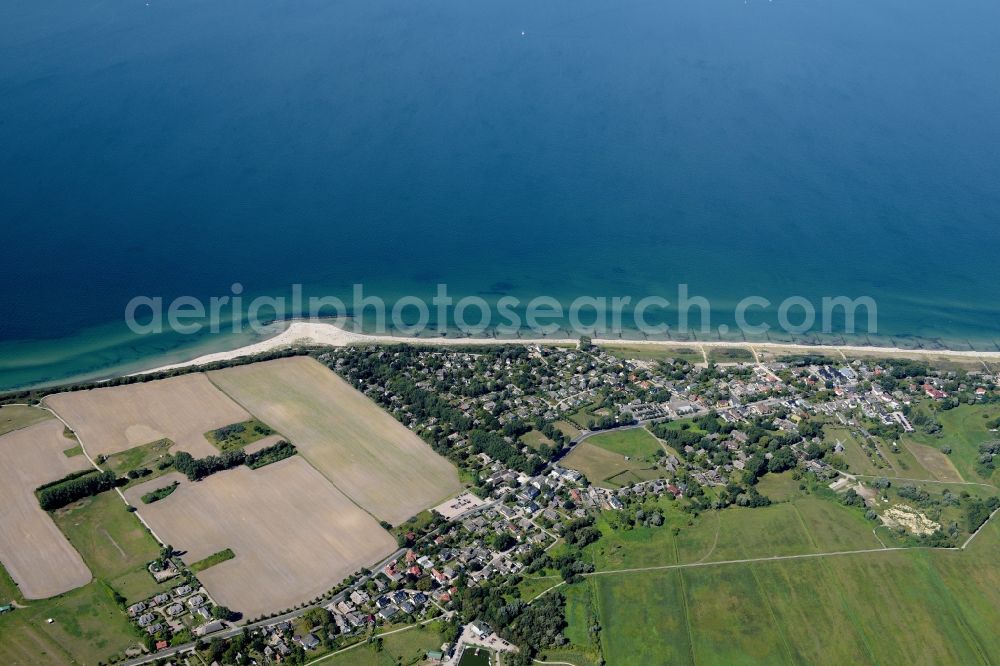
x=561, y=148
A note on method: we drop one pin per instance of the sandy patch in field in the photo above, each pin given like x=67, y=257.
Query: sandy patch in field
x=36, y=554
x=294, y=535
x=366, y=453
x=115, y=419
x=910, y=519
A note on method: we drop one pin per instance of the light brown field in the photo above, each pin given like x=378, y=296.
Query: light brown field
x=605, y=468
x=366, y=453
x=934, y=462
x=294, y=535
x=33, y=550
x=182, y=409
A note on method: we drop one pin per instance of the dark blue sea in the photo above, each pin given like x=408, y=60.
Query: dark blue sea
x=789, y=148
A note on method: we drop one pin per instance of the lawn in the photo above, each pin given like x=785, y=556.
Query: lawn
x=113, y=543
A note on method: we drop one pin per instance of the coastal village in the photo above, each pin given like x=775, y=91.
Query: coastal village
x=512, y=418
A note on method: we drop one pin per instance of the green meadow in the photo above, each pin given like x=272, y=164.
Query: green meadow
x=894, y=607
x=87, y=627
x=963, y=429
x=113, y=542
x=400, y=649
x=617, y=458
x=688, y=597
x=15, y=417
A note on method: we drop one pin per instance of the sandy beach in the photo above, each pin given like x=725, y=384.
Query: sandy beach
x=303, y=333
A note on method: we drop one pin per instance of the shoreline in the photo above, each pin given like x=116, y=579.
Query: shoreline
x=302, y=333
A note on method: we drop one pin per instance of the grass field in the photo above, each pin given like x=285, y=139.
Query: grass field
x=32, y=548
x=581, y=417
x=535, y=439
x=803, y=525
x=293, y=534
x=181, y=409
x=963, y=429
x=567, y=428
x=87, y=629
x=872, y=607
x=607, y=469
x=212, y=560
x=779, y=487
x=935, y=462
x=113, y=543
x=729, y=355
x=366, y=453
x=404, y=648
x=634, y=442
x=145, y=456
x=855, y=455
x=602, y=457
x=238, y=435
x=13, y=417
x=654, y=353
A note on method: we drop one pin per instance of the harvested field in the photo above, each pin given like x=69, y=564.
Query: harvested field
x=262, y=444
x=294, y=535
x=36, y=554
x=366, y=453
x=934, y=462
x=182, y=409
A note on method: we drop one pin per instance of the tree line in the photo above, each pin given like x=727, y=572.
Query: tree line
x=74, y=487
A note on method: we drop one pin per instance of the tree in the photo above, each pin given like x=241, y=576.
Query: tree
x=503, y=541
x=224, y=613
